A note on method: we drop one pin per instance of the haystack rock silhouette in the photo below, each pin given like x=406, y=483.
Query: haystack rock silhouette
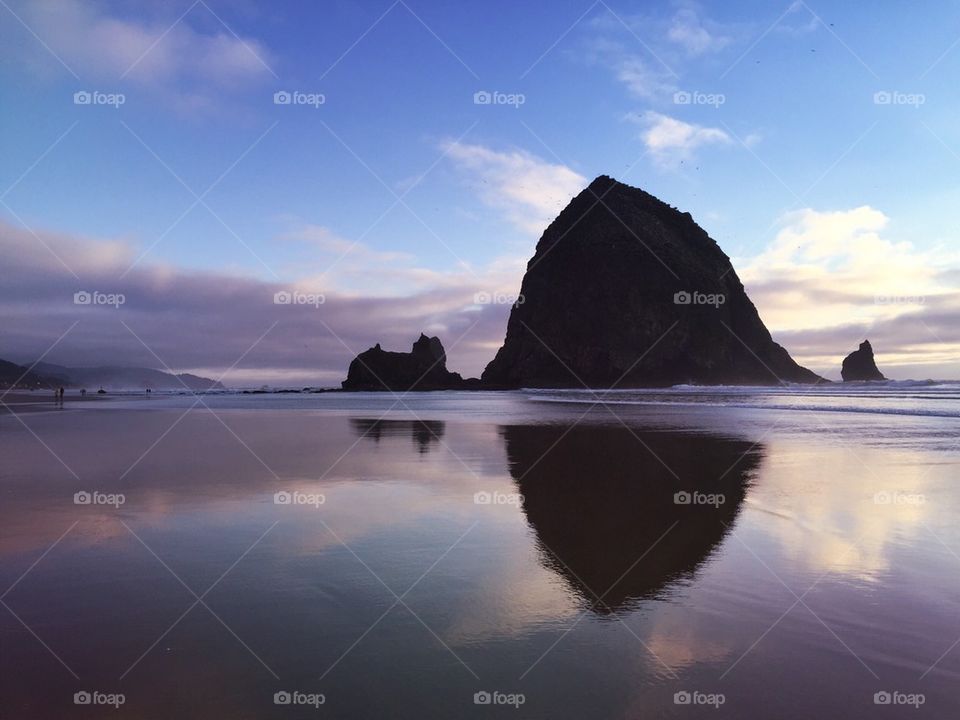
x=622, y=514
x=423, y=368
x=625, y=290
x=860, y=365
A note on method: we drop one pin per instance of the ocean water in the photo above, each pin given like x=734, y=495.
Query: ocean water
x=718, y=552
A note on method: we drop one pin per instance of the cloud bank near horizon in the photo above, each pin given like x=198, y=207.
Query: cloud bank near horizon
x=828, y=280
x=835, y=277
x=205, y=322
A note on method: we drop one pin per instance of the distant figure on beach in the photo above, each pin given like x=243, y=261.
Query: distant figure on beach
x=148, y=392
x=83, y=392
x=60, y=392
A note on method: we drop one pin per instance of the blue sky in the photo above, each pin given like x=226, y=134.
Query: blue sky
x=785, y=140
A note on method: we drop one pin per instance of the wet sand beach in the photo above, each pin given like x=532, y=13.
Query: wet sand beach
x=571, y=560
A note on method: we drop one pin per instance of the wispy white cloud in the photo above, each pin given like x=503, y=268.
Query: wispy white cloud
x=161, y=53
x=670, y=140
x=642, y=76
x=798, y=21
x=697, y=36
x=529, y=191
x=649, y=53
x=653, y=56
x=355, y=269
x=642, y=80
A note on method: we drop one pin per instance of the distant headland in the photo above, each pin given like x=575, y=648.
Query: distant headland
x=43, y=375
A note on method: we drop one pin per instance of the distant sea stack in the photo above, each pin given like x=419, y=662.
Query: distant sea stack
x=626, y=290
x=423, y=368
x=860, y=365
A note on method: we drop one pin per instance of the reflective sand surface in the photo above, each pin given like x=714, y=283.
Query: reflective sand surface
x=421, y=552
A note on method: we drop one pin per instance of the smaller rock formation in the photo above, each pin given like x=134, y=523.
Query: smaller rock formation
x=859, y=365
x=423, y=368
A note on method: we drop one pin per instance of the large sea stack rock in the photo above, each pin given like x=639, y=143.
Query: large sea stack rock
x=860, y=365
x=625, y=290
x=423, y=368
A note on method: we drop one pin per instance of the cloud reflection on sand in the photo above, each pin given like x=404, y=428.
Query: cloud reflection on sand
x=845, y=510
